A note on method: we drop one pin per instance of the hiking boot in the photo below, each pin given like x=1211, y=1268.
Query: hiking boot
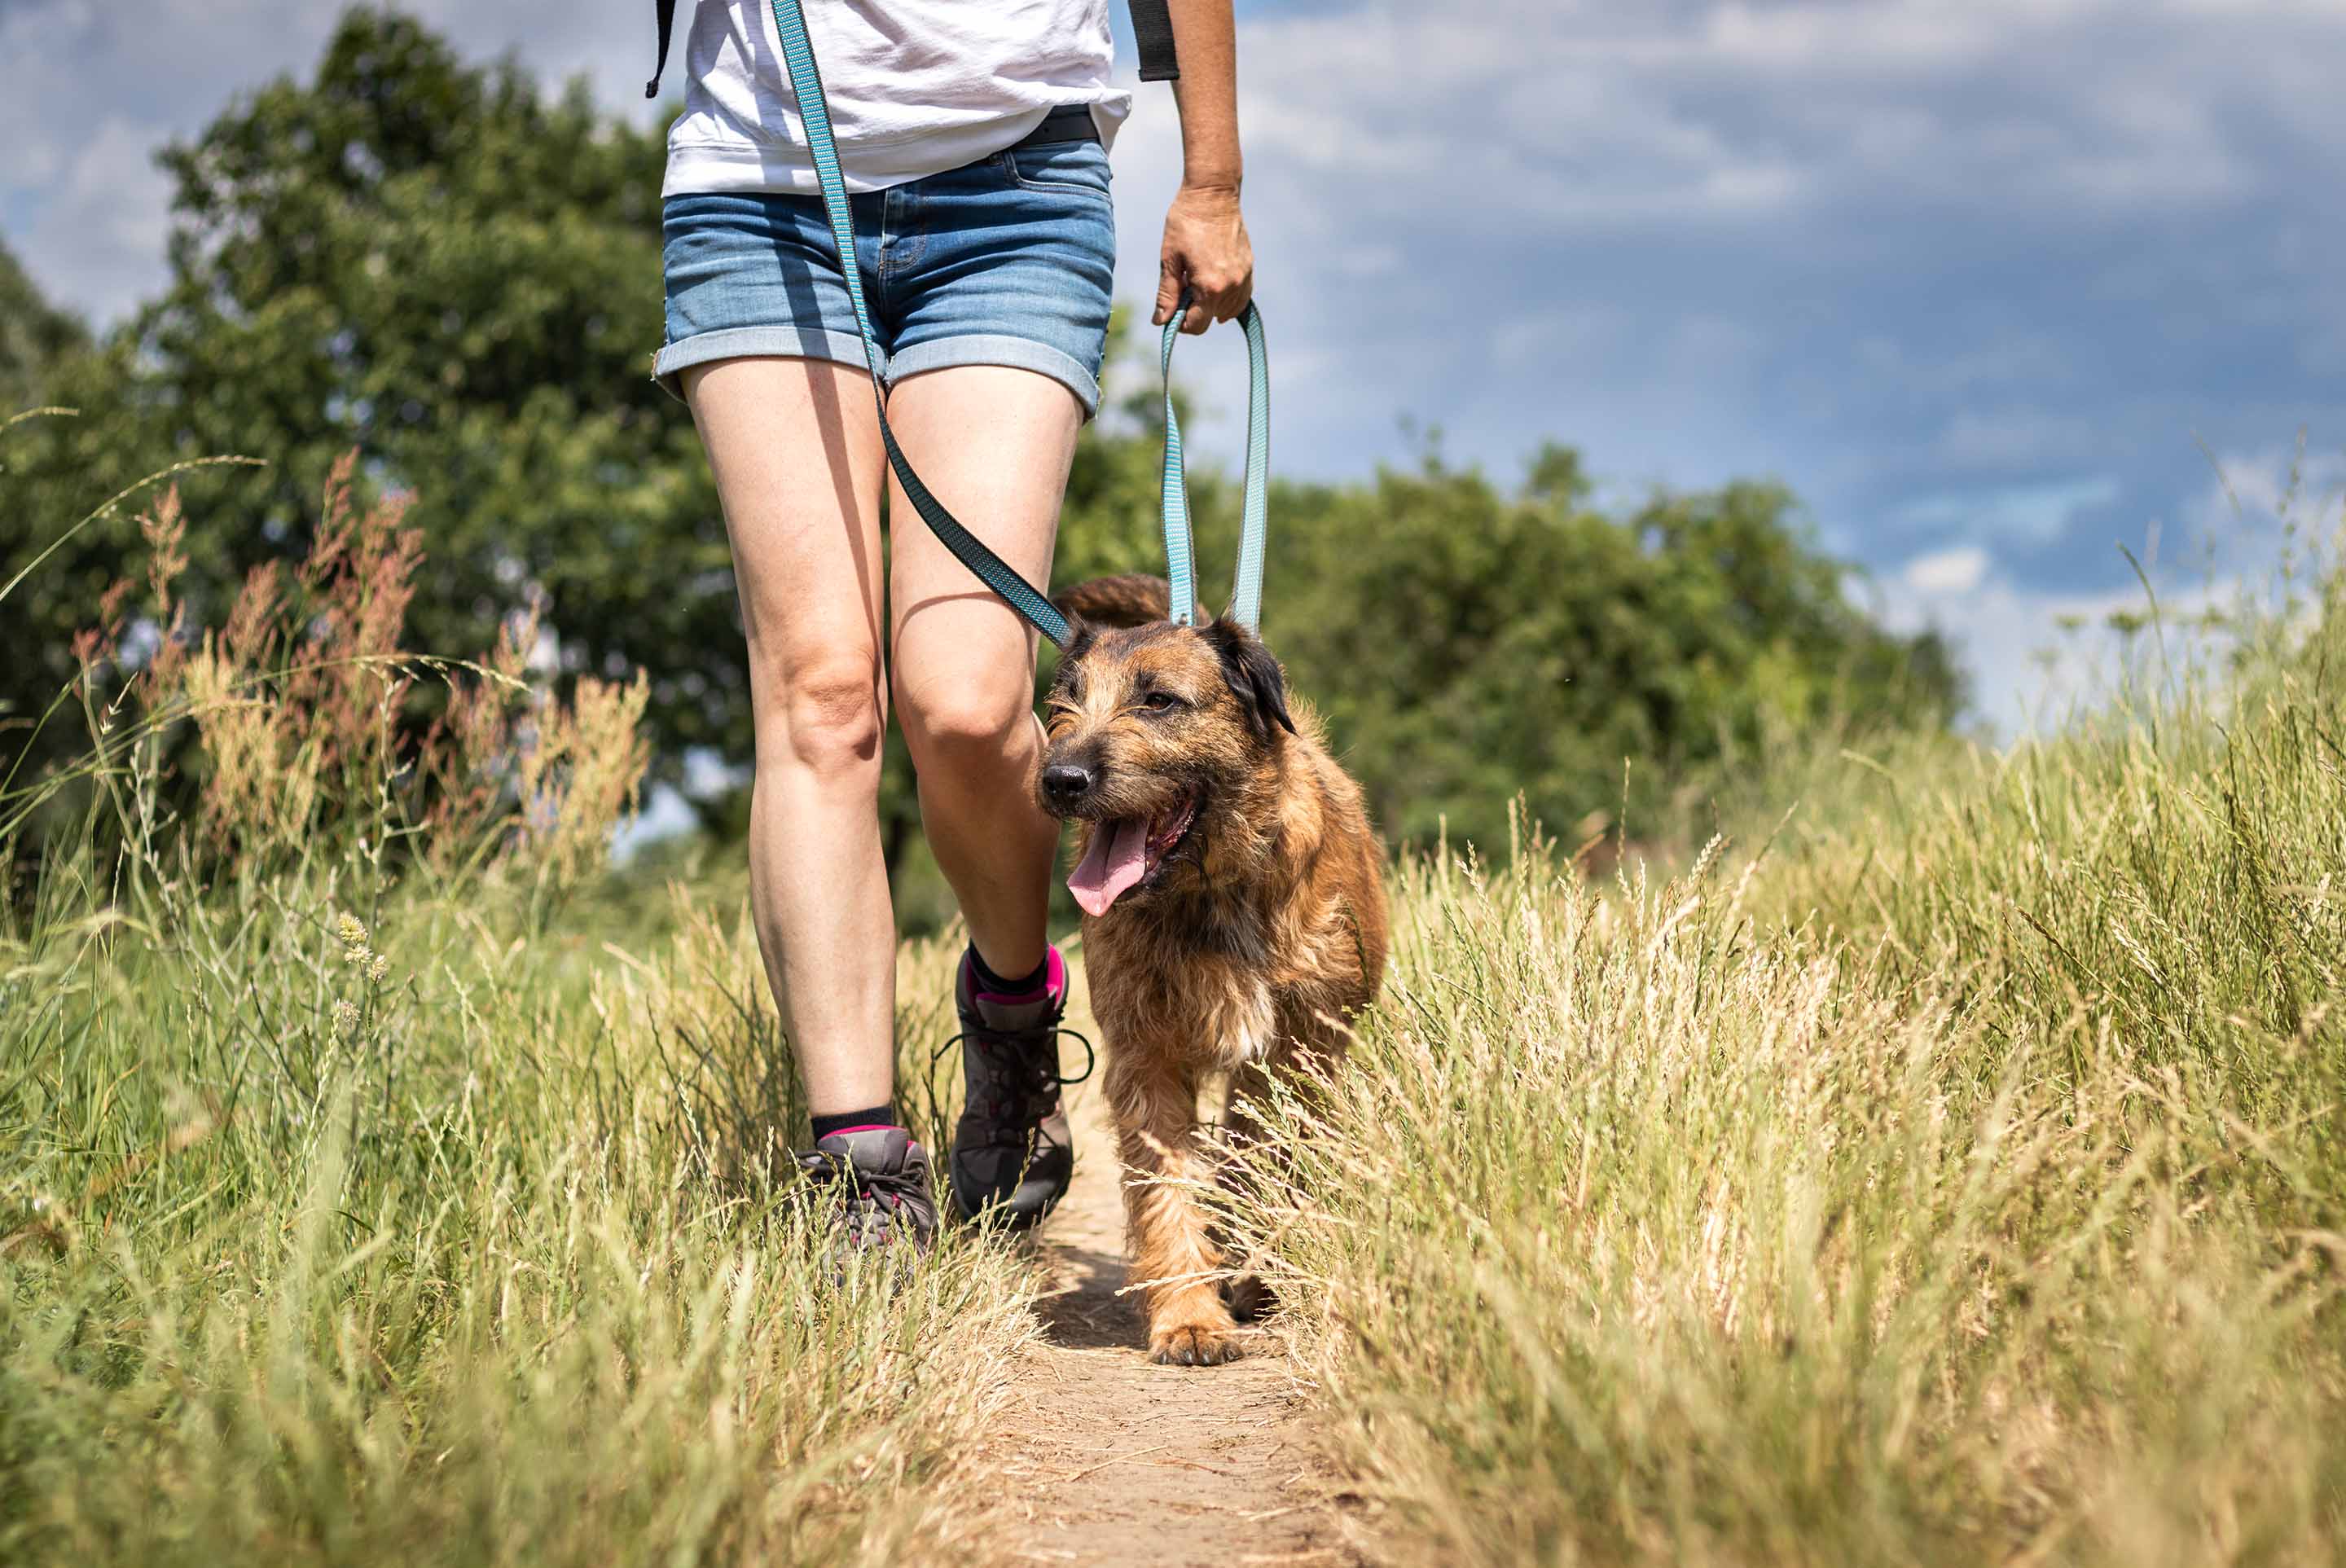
x=879, y=1177
x=1013, y=1154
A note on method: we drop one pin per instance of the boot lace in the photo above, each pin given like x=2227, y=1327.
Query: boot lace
x=873, y=1200
x=1020, y=1082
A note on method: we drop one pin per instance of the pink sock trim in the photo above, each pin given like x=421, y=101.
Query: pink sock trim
x=869, y=1127
x=1055, y=983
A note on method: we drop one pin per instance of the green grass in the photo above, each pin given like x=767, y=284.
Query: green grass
x=1953, y=1172
x=494, y=1273
x=382, y=1180
x=1960, y=1180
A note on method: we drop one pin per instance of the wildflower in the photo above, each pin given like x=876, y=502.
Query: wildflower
x=379, y=968
x=346, y=1018
x=355, y=952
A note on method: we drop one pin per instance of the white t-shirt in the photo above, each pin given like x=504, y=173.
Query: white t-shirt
x=915, y=88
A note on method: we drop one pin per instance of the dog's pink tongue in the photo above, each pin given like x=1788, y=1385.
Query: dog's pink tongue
x=1117, y=858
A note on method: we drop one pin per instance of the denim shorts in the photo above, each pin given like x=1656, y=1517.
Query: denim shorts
x=1006, y=262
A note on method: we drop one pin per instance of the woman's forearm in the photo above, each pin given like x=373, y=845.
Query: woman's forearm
x=1205, y=38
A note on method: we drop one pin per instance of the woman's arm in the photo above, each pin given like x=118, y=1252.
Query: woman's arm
x=1206, y=245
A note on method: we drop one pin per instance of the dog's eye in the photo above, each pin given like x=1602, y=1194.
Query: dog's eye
x=1161, y=702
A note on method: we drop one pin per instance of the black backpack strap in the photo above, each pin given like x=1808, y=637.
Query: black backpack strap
x=1152, y=34
x=667, y=26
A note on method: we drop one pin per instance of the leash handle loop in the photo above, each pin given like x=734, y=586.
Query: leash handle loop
x=798, y=54
x=1180, y=571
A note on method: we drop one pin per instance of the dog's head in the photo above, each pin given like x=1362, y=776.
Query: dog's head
x=1163, y=742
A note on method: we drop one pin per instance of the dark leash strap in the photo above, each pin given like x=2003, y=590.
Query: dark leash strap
x=659, y=66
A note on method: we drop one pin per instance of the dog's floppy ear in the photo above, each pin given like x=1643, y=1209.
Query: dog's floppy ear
x=1131, y=600
x=1081, y=635
x=1253, y=675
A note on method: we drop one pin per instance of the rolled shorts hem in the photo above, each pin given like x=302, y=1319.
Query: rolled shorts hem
x=790, y=342
x=777, y=340
x=1000, y=348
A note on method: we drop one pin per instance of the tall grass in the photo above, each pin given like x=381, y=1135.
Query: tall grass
x=1955, y=1173
x=1962, y=1179
x=356, y=1202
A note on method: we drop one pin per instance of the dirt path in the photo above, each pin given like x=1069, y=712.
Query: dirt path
x=1114, y=1460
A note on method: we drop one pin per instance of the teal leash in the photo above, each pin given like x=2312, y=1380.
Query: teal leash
x=1030, y=602
x=1180, y=573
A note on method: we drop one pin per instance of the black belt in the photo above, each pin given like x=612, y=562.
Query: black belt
x=1069, y=122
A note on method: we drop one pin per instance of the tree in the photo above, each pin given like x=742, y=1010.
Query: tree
x=458, y=275
x=34, y=337
x=1466, y=645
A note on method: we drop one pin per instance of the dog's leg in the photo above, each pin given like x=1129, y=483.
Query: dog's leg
x=1244, y=1142
x=1172, y=1249
x=1225, y=1131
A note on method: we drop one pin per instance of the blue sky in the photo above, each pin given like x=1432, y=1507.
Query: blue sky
x=1993, y=285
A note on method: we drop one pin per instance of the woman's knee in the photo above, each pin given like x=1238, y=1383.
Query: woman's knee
x=963, y=722
x=826, y=719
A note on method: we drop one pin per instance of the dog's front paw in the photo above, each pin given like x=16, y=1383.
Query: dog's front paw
x=1194, y=1344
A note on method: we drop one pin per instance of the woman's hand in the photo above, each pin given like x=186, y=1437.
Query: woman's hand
x=1207, y=251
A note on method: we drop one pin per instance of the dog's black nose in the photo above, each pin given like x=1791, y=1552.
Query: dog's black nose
x=1064, y=783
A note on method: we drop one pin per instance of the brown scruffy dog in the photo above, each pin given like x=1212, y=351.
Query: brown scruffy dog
x=1234, y=905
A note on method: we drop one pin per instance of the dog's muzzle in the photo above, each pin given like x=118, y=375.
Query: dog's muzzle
x=1065, y=785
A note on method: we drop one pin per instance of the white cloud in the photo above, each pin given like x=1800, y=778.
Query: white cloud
x=2266, y=517
x=2272, y=489
x=1955, y=571
x=2036, y=651
x=2036, y=655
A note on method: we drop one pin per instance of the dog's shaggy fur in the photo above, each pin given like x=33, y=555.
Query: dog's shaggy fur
x=1255, y=931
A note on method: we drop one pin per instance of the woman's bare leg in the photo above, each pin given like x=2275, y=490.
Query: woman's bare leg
x=795, y=447
x=994, y=445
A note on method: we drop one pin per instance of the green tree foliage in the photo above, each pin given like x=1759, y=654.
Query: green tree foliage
x=33, y=336
x=456, y=273
x=1466, y=644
